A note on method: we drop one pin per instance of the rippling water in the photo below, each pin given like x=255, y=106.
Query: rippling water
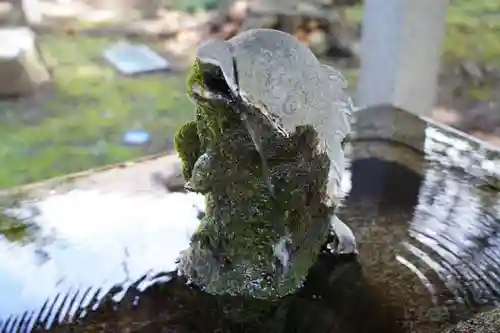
x=84, y=238
x=427, y=226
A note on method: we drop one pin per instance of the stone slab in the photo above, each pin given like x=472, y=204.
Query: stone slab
x=21, y=68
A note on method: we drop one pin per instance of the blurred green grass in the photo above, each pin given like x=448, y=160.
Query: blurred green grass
x=473, y=32
x=80, y=123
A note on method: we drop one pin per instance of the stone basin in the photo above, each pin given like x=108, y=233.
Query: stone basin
x=422, y=199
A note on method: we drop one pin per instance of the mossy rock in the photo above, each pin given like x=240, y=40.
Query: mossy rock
x=233, y=251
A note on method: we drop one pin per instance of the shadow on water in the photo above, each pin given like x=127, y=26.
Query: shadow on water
x=427, y=232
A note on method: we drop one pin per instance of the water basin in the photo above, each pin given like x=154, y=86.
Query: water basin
x=423, y=201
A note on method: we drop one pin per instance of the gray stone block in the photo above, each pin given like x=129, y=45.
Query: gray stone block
x=21, y=67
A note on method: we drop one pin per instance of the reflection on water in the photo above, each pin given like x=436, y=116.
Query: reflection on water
x=428, y=241
x=90, y=239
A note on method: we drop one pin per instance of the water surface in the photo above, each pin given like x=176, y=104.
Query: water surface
x=427, y=226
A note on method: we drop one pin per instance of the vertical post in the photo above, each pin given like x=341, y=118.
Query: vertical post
x=400, y=53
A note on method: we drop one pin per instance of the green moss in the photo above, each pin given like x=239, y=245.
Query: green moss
x=15, y=229
x=194, y=77
x=187, y=145
x=232, y=252
x=79, y=123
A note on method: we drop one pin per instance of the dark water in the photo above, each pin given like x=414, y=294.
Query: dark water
x=428, y=235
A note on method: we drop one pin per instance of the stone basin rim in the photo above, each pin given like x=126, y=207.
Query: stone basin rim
x=391, y=124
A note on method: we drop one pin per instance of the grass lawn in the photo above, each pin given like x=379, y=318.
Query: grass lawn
x=80, y=122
